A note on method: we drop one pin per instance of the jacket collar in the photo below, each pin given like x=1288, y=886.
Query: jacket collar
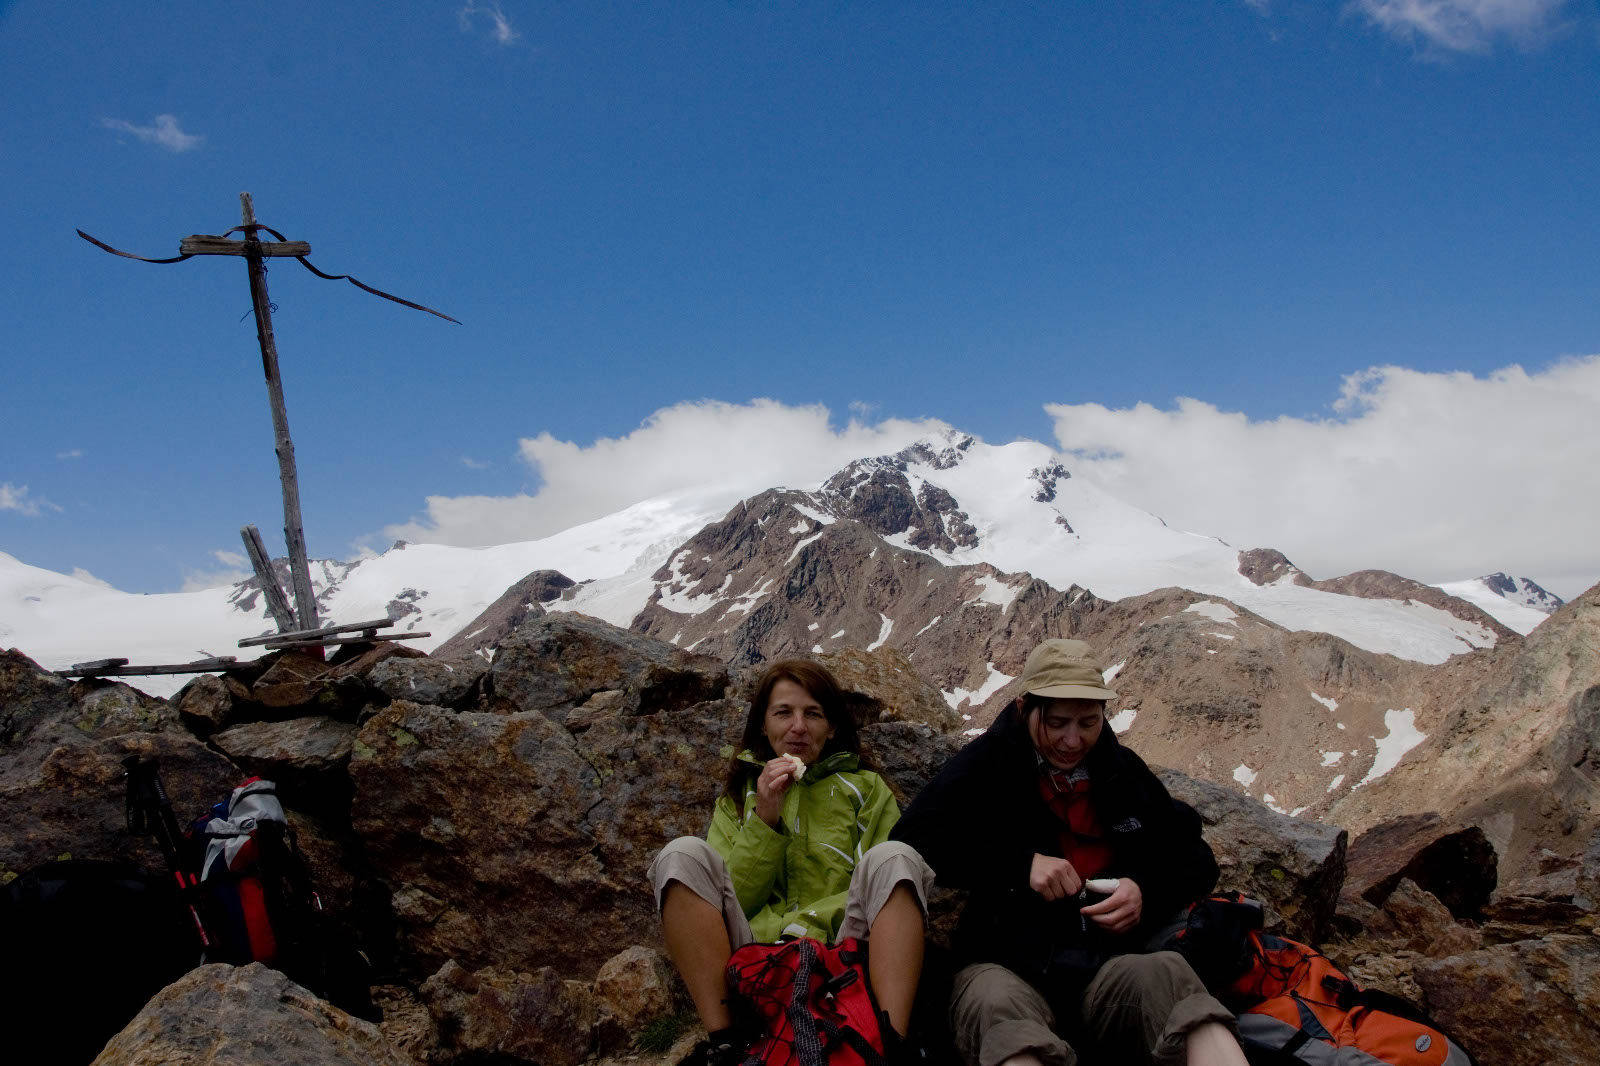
x=838, y=762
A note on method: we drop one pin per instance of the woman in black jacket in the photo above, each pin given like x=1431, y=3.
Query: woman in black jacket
x=1076, y=859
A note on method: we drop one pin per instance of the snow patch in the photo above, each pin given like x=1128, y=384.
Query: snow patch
x=1114, y=671
x=1330, y=758
x=1332, y=705
x=1267, y=798
x=1122, y=721
x=993, y=591
x=883, y=633
x=801, y=544
x=1217, y=612
x=800, y=527
x=814, y=626
x=1224, y=636
x=1338, y=780
x=744, y=603
x=813, y=514
x=927, y=627
x=992, y=684
x=1402, y=737
x=1244, y=775
x=837, y=635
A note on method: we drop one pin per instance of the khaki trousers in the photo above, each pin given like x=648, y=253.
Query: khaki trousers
x=1138, y=1009
x=699, y=868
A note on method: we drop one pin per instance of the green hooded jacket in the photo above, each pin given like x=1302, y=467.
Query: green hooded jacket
x=798, y=874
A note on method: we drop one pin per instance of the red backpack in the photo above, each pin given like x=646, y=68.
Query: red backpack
x=812, y=1003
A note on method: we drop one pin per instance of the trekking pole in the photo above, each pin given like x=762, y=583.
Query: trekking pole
x=150, y=814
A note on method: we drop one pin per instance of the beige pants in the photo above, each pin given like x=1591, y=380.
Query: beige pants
x=1138, y=1009
x=696, y=864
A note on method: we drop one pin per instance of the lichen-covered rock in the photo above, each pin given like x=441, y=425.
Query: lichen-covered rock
x=300, y=749
x=508, y=1017
x=442, y=682
x=62, y=781
x=908, y=754
x=222, y=1015
x=634, y=988
x=555, y=663
x=882, y=686
x=205, y=705
x=1292, y=865
x=1526, y=1004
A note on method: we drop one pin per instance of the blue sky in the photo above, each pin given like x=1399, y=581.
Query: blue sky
x=958, y=212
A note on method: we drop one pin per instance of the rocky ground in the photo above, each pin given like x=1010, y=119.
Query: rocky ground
x=482, y=828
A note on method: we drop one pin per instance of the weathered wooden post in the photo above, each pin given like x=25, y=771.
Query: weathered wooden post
x=254, y=250
x=305, y=601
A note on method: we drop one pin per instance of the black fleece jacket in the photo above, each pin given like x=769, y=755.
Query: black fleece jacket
x=982, y=819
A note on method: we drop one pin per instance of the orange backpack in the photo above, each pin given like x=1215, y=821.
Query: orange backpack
x=1306, y=1011
x=1296, y=1008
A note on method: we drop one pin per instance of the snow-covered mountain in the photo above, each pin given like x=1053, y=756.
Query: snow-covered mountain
x=954, y=499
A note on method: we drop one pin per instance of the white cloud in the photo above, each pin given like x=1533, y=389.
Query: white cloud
x=233, y=559
x=1434, y=476
x=500, y=27
x=196, y=580
x=475, y=464
x=165, y=132
x=16, y=498
x=83, y=575
x=73, y=453
x=758, y=445
x=1462, y=25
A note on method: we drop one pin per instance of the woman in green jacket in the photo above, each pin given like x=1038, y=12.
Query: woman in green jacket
x=799, y=846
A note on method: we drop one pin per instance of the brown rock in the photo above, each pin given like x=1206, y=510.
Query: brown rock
x=205, y=705
x=1265, y=566
x=555, y=663
x=406, y=1024
x=1294, y=866
x=1457, y=864
x=882, y=686
x=1391, y=973
x=498, y=1016
x=482, y=637
x=441, y=682
x=222, y=1015
x=1525, y=1004
x=1425, y=925
x=359, y=660
x=297, y=749
x=633, y=989
x=62, y=782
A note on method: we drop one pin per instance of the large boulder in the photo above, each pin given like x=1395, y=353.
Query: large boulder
x=1294, y=866
x=440, y=681
x=220, y=1015
x=1525, y=1004
x=882, y=686
x=634, y=989
x=554, y=664
x=62, y=780
x=1457, y=864
x=507, y=840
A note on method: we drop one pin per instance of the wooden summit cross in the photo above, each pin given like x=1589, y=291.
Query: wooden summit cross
x=303, y=622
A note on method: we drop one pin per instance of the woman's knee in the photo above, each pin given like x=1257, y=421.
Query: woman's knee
x=691, y=862
x=897, y=861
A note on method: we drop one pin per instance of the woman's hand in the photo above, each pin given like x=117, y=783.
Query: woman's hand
x=774, y=781
x=1120, y=911
x=1053, y=878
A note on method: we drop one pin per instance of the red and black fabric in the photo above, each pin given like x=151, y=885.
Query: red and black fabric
x=811, y=1004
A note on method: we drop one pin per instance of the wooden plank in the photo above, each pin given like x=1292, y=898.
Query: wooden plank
x=261, y=562
x=203, y=666
x=327, y=631
x=99, y=664
x=279, y=644
x=205, y=244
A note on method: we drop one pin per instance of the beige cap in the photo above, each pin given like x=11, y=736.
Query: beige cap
x=1065, y=669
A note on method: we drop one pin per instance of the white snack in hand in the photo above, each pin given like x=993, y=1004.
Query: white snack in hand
x=798, y=763
x=1103, y=885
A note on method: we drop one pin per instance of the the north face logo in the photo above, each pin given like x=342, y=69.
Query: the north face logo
x=1127, y=825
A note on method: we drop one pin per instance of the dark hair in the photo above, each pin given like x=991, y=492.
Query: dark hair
x=816, y=680
x=1028, y=702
